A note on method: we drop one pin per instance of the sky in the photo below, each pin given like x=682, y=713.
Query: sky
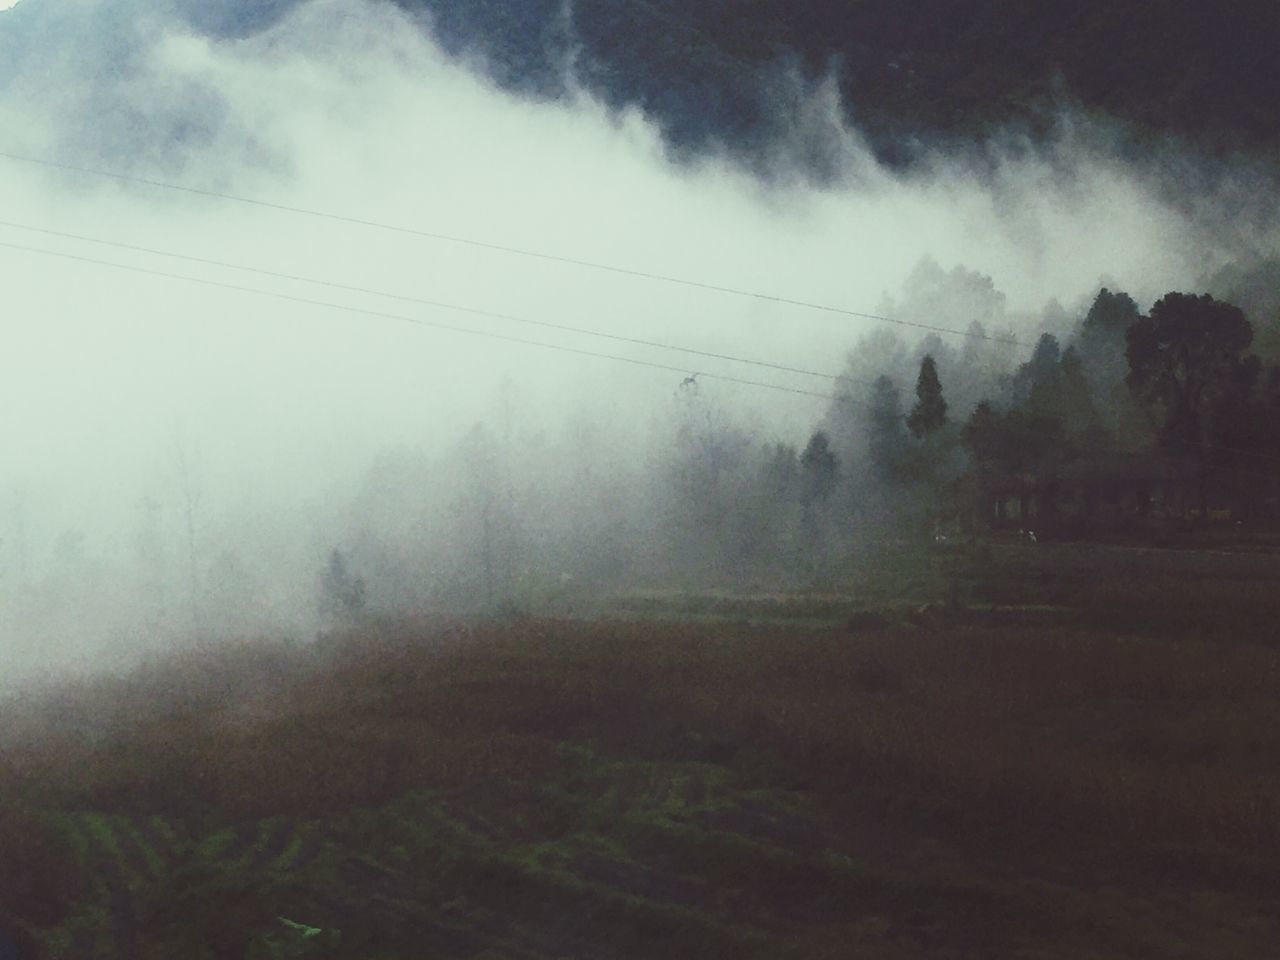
x=111, y=378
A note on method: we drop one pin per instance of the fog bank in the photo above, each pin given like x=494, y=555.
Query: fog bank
x=181, y=458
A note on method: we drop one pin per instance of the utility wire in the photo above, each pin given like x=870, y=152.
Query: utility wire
x=503, y=248
x=474, y=311
x=655, y=13
x=468, y=331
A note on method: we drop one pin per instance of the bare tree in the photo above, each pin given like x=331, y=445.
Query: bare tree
x=189, y=488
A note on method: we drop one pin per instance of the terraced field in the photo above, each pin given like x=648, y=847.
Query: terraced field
x=675, y=857
x=617, y=859
x=964, y=784
x=134, y=865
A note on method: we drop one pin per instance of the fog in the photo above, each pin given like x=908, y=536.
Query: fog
x=180, y=459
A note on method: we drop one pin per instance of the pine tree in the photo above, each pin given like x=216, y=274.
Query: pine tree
x=930, y=412
x=820, y=468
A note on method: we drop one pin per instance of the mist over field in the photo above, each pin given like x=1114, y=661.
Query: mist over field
x=181, y=459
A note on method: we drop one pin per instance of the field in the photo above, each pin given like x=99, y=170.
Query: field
x=1079, y=759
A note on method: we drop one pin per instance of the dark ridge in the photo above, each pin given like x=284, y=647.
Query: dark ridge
x=940, y=73
x=953, y=76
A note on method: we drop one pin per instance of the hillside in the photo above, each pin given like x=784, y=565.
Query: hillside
x=935, y=74
x=942, y=70
x=1082, y=771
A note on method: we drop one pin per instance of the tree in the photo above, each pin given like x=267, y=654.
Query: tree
x=342, y=598
x=1076, y=408
x=779, y=471
x=1101, y=345
x=1187, y=363
x=1109, y=318
x=887, y=435
x=1269, y=404
x=1185, y=358
x=930, y=412
x=191, y=496
x=772, y=506
x=1037, y=384
x=1240, y=423
x=982, y=437
x=820, y=468
x=710, y=467
x=1043, y=375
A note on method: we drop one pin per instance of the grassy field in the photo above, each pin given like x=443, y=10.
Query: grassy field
x=1082, y=760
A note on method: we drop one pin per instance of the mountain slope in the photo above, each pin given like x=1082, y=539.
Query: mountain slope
x=954, y=70
x=933, y=73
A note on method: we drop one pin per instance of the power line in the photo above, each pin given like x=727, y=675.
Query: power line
x=502, y=248
x=422, y=301
x=467, y=331
x=843, y=398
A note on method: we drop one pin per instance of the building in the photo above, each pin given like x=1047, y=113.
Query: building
x=1110, y=490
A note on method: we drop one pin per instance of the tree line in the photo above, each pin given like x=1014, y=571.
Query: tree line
x=921, y=439
x=1175, y=389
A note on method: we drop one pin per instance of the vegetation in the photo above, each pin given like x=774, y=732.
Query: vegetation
x=950, y=71
x=1175, y=391
x=929, y=415
x=1117, y=425
x=1089, y=772
x=873, y=719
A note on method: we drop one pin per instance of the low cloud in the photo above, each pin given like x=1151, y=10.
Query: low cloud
x=351, y=108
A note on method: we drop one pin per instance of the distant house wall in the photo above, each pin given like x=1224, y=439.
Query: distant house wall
x=1131, y=489
x=1127, y=490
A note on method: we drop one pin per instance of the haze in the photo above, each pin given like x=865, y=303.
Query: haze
x=133, y=403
